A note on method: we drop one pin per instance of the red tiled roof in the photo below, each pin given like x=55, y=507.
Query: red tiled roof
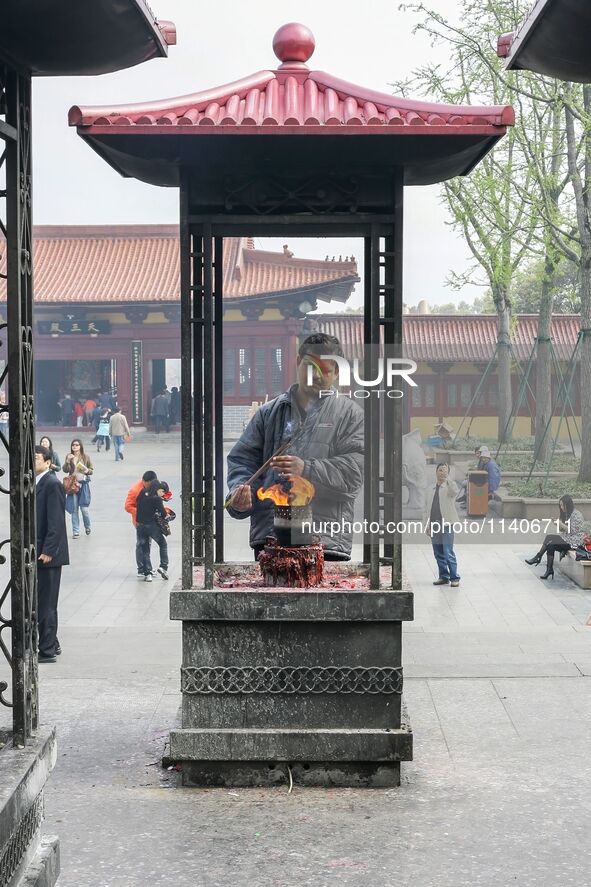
x=441, y=338
x=429, y=141
x=292, y=96
x=140, y=263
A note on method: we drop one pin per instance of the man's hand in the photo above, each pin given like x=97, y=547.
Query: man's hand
x=241, y=498
x=45, y=558
x=288, y=465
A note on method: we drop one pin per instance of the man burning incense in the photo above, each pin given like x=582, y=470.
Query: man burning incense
x=325, y=443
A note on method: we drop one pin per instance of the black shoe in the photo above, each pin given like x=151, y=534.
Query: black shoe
x=441, y=582
x=58, y=650
x=549, y=574
x=534, y=561
x=88, y=531
x=42, y=658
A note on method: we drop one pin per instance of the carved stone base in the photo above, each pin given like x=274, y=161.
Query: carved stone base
x=26, y=859
x=302, y=680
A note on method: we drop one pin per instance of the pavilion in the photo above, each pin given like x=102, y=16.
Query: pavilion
x=289, y=152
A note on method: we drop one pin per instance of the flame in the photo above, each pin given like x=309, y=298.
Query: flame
x=295, y=491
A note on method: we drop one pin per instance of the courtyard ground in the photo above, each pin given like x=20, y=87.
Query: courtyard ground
x=497, y=682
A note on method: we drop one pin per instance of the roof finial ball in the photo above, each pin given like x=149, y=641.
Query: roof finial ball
x=293, y=44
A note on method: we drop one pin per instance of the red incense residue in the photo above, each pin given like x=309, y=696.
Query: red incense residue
x=298, y=567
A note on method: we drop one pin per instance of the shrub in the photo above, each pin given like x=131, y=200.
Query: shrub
x=553, y=489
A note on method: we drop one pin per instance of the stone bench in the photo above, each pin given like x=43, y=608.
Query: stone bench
x=578, y=571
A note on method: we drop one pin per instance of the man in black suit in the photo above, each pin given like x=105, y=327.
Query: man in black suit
x=52, y=551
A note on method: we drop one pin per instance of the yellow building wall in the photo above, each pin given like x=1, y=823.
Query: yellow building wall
x=487, y=426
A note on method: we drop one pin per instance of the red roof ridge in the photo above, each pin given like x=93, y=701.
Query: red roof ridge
x=78, y=115
x=86, y=232
x=382, y=100
x=272, y=257
x=290, y=98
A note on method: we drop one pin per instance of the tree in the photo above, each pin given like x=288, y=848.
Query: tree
x=478, y=306
x=539, y=144
x=485, y=207
x=527, y=288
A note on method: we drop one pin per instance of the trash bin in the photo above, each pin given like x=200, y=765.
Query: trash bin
x=477, y=493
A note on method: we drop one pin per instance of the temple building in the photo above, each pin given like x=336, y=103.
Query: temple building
x=107, y=315
x=453, y=353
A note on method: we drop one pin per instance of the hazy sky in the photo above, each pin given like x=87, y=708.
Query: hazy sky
x=371, y=44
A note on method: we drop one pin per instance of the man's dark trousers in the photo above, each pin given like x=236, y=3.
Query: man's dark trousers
x=48, y=589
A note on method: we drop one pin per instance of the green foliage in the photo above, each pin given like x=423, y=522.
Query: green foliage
x=553, y=489
x=526, y=289
x=478, y=306
x=560, y=462
x=469, y=443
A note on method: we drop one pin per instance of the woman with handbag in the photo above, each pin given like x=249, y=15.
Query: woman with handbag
x=78, y=469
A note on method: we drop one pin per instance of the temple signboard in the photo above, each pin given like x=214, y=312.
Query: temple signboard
x=137, y=392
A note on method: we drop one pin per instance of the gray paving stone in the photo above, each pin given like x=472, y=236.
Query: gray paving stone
x=498, y=792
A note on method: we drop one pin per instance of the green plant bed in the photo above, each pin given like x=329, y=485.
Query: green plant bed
x=469, y=443
x=553, y=489
x=560, y=462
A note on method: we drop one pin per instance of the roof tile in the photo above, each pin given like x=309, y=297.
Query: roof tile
x=141, y=264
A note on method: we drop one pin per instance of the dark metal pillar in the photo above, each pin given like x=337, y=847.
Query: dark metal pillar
x=372, y=406
x=15, y=161
x=393, y=409
x=201, y=367
x=208, y=383
x=218, y=321
x=188, y=499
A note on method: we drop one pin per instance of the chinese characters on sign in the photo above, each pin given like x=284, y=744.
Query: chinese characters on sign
x=137, y=388
x=67, y=327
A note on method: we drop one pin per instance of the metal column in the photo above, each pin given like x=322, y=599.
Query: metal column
x=391, y=321
x=372, y=409
x=15, y=162
x=198, y=383
x=218, y=311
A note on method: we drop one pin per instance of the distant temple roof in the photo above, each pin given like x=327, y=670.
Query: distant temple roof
x=441, y=338
x=140, y=263
x=287, y=102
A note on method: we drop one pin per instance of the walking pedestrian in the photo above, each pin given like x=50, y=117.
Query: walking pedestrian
x=103, y=431
x=160, y=413
x=52, y=548
x=89, y=407
x=118, y=429
x=78, y=469
x=56, y=464
x=149, y=504
x=441, y=514
x=571, y=525
x=147, y=479
x=78, y=413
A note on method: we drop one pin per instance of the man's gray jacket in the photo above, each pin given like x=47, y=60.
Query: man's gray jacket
x=331, y=445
